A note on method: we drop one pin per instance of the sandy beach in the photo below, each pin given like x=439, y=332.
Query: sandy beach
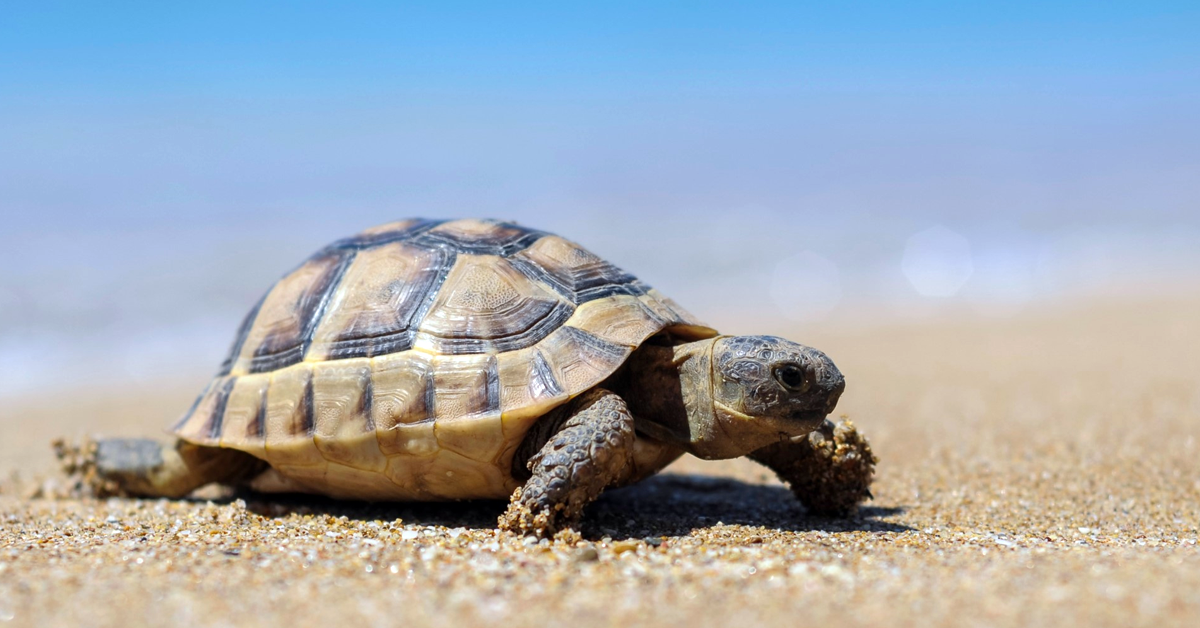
x=1038, y=470
x=986, y=214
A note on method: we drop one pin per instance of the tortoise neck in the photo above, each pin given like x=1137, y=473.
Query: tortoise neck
x=667, y=388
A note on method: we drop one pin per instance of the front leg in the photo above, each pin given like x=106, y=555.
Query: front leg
x=829, y=470
x=592, y=450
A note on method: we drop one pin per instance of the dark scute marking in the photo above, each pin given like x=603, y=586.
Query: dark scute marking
x=493, y=386
x=370, y=346
x=583, y=285
x=411, y=313
x=538, y=275
x=485, y=399
x=595, y=347
x=314, y=319
x=367, y=401
x=634, y=288
x=192, y=410
x=542, y=377
x=281, y=350
x=240, y=339
x=276, y=361
x=446, y=260
x=364, y=241
x=465, y=344
x=502, y=245
x=307, y=408
x=258, y=427
x=600, y=276
x=430, y=398
x=217, y=420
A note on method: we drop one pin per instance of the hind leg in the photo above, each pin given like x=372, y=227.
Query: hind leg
x=147, y=468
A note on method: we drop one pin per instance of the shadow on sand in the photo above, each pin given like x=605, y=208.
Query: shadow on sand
x=664, y=505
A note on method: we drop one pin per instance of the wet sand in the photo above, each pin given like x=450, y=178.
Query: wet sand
x=1034, y=471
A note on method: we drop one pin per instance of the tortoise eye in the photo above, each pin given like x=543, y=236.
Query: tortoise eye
x=792, y=377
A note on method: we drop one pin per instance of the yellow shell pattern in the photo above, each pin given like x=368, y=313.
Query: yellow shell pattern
x=408, y=362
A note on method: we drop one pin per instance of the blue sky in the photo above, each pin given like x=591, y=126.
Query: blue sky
x=222, y=47
x=152, y=109
x=162, y=163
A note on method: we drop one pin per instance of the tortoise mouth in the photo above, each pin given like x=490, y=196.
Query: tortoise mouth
x=808, y=421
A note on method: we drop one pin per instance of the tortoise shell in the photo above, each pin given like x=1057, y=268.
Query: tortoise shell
x=409, y=361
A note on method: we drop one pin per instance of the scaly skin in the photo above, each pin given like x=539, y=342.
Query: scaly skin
x=757, y=396
x=716, y=398
x=147, y=468
x=829, y=471
x=592, y=451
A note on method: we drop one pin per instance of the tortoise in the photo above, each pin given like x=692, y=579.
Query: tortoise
x=467, y=359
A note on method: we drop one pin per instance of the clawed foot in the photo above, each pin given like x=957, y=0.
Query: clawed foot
x=78, y=463
x=136, y=467
x=110, y=468
x=590, y=452
x=829, y=471
x=526, y=518
x=843, y=466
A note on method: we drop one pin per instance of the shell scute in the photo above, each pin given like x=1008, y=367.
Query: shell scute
x=479, y=237
x=466, y=385
x=409, y=440
x=480, y=438
x=403, y=402
x=390, y=232
x=343, y=428
x=580, y=360
x=288, y=314
x=289, y=420
x=576, y=272
x=244, y=424
x=371, y=311
x=451, y=475
x=486, y=305
x=409, y=361
x=528, y=385
x=204, y=421
x=622, y=319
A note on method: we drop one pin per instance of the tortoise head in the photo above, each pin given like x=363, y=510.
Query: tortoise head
x=764, y=389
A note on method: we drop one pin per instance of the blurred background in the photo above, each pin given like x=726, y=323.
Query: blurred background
x=771, y=167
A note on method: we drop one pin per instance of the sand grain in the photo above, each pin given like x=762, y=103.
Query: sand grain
x=1040, y=471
